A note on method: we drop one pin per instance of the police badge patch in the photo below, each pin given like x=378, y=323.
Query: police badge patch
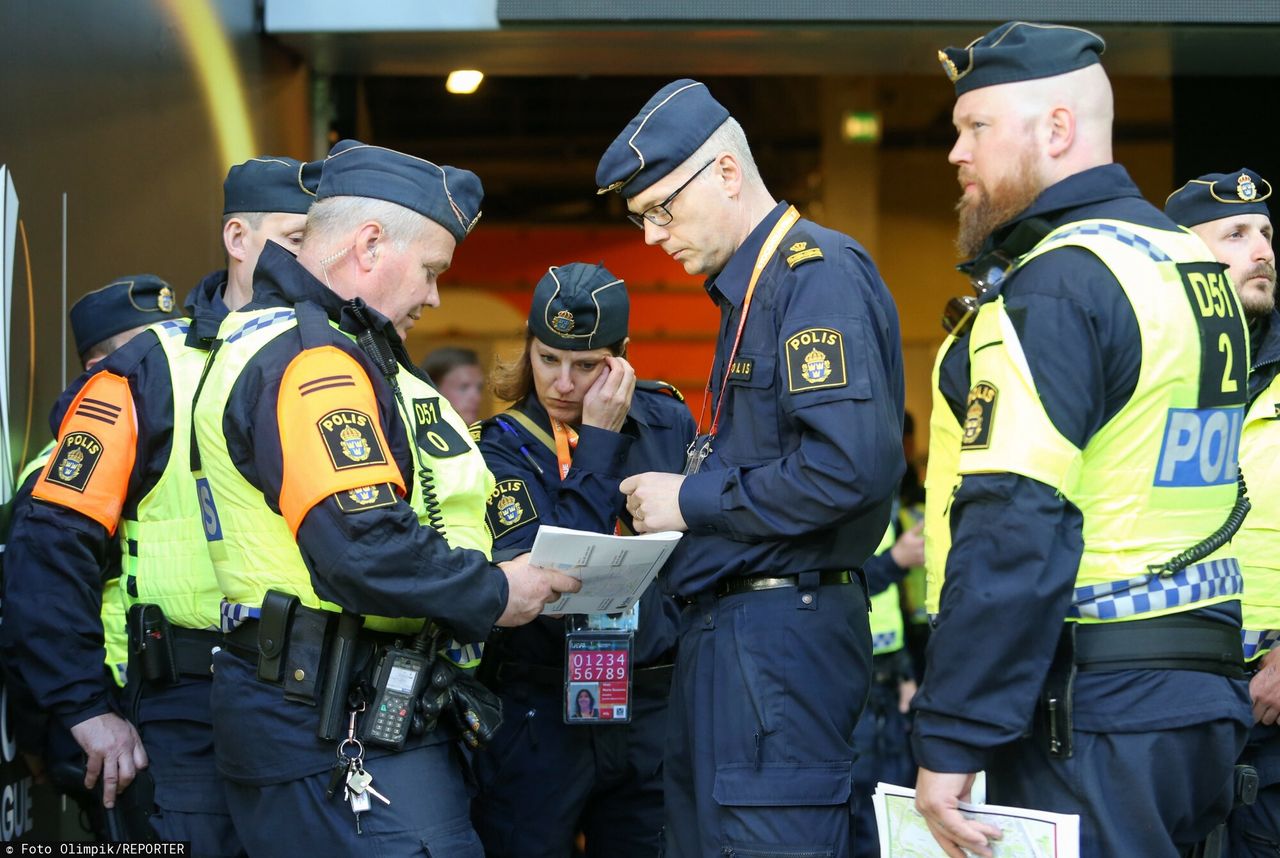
x=815, y=360
x=350, y=439
x=73, y=464
x=980, y=409
x=509, y=507
x=365, y=497
x=1245, y=188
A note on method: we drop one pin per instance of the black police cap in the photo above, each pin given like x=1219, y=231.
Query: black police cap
x=129, y=302
x=447, y=195
x=1018, y=51
x=579, y=307
x=272, y=183
x=668, y=129
x=1218, y=195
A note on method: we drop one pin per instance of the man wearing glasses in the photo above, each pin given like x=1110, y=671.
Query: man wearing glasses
x=787, y=490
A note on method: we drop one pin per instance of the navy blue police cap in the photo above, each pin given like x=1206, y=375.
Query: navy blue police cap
x=447, y=195
x=579, y=307
x=272, y=183
x=1017, y=51
x=1218, y=195
x=128, y=302
x=667, y=130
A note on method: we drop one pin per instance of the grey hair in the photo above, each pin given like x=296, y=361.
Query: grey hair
x=329, y=218
x=729, y=137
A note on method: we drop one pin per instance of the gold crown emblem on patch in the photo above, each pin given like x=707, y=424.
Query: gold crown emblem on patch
x=505, y=501
x=799, y=246
x=948, y=66
x=76, y=455
x=351, y=433
x=563, y=322
x=815, y=356
x=1245, y=188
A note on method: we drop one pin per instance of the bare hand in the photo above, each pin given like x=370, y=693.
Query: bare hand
x=529, y=588
x=906, y=692
x=908, y=551
x=607, y=402
x=1264, y=688
x=937, y=798
x=115, y=753
x=653, y=499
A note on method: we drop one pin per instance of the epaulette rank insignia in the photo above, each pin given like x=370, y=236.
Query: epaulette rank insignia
x=475, y=429
x=801, y=252
x=656, y=386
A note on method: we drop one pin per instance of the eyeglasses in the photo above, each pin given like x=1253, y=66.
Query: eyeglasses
x=660, y=215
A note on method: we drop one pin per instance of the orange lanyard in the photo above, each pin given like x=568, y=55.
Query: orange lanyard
x=767, y=250
x=566, y=443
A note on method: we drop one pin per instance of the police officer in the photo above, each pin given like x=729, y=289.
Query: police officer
x=788, y=490
x=101, y=322
x=1096, y=480
x=123, y=468
x=1229, y=212
x=579, y=412
x=344, y=503
x=881, y=736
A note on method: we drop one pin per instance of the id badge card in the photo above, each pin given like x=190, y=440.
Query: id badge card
x=597, y=682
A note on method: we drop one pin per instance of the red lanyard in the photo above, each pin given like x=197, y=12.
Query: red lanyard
x=767, y=250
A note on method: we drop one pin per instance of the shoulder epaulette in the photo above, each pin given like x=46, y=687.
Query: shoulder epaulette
x=798, y=248
x=476, y=428
x=656, y=386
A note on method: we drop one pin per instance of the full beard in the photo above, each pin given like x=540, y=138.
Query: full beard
x=1005, y=201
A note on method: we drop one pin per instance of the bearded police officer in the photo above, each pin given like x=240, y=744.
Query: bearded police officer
x=344, y=508
x=581, y=423
x=788, y=490
x=1106, y=381
x=123, y=468
x=1229, y=212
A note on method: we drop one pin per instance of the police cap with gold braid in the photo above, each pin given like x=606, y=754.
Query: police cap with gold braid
x=129, y=302
x=272, y=183
x=579, y=307
x=667, y=130
x=447, y=195
x=1018, y=51
x=1218, y=195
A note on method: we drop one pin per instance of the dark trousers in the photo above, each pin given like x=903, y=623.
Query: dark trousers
x=767, y=692
x=1155, y=794
x=542, y=781
x=1254, y=830
x=177, y=731
x=884, y=754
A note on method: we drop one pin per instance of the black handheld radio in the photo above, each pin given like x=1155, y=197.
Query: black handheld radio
x=400, y=679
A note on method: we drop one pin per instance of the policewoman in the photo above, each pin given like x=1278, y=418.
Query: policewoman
x=1087, y=653
x=788, y=488
x=1229, y=212
x=123, y=468
x=344, y=509
x=580, y=424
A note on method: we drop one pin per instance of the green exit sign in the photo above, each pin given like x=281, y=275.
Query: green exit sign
x=861, y=126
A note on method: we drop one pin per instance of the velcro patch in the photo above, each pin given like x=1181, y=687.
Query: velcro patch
x=980, y=410
x=73, y=463
x=740, y=369
x=350, y=439
x=509, y=507
x=365, y=497
x=815, y=360
x=436, y=437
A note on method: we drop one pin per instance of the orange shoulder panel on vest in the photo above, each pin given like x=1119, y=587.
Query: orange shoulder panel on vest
x=97, y=445
x=330, y=433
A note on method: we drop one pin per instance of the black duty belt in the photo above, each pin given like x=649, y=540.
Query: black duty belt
x=308, y=626
x=193, y=651
x=750, y=584
x=1173, y=642
x=653, y=678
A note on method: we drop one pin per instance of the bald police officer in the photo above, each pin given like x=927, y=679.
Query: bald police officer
x=1229, y=212
x=123, y=468
x=1087, y=653
x=344, y=509
x=789, y=489
x=581, y=423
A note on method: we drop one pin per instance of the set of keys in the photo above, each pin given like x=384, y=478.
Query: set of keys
x=349, y=773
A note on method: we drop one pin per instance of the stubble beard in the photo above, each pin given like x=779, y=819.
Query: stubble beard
x=1258, y=303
